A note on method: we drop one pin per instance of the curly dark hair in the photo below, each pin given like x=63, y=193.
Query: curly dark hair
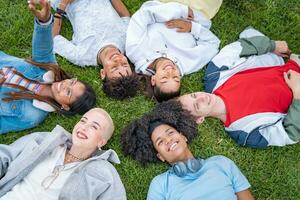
x=121, y=88
x=136, y=139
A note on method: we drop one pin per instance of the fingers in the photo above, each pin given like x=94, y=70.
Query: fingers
x=31, y=7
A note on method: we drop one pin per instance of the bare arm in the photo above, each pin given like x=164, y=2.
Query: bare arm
x=58, y=18
x=120, y=7
x=245, y=195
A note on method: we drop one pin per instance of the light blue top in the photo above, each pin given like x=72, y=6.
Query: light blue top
x=21, y=114
x=218, y=178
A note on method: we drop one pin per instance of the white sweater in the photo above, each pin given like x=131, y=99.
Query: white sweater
x=148, y=38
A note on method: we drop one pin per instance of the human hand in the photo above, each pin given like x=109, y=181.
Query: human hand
x=282, y=49
x=292, y=79
x=190, y=14
x=181, y=25
x=44, y=14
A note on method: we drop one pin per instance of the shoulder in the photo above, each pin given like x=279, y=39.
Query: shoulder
x=157, y=182
x=102, y=169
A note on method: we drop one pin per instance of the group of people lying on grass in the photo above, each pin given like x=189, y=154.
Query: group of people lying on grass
x=248, y=87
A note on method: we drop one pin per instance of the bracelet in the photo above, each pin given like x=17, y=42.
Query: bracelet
x=61, y=12
x=58, y=16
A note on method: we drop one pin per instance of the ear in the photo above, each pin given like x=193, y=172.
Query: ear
x=200, y=120
x=65, y=107
x=185, y=139
x=102, y=74
x=102, y=142
x=153, y=80
x=160, y=157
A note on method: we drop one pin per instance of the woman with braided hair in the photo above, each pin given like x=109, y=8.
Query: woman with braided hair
x=31, y=88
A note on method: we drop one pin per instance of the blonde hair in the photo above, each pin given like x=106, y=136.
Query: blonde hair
x=109, y=129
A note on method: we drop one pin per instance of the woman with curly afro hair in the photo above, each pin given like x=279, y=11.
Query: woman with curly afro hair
x=163, y=135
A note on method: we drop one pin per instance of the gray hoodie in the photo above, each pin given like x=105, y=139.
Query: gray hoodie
x=94, y=178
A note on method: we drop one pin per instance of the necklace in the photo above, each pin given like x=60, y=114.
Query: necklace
x=70, y=157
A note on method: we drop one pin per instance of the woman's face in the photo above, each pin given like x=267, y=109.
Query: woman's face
x=171, y=146
x=89, y=132
x=167, y=76
x=67, y=91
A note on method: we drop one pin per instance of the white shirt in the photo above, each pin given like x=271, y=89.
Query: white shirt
x=51, y=173
x=95, y=24
x=148, y=38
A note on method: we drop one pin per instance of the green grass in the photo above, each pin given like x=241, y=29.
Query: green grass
x=273, y=173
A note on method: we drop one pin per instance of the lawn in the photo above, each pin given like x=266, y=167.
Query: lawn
x=274, y=173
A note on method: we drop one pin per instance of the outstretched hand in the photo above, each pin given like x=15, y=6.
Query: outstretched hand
x=282, y=49
x=292, y=79
x=44, y=13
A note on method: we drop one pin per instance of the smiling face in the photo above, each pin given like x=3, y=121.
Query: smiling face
x=167, y=76
x=93, y=130
x=115, y=64
x=199, y=104
x=67, y=92
x=170, y=144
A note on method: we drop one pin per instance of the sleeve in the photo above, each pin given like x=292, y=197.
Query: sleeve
x=42, y=42
x=256, y=45
x=66, y=49
x=250, y=51
x=291, y=121
x=207, y=43
x=156, y=189
x=263, y=136
x=147, y=15
x=238, y=180
x=8, y=153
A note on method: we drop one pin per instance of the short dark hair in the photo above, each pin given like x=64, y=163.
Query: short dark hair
x=121, y=88
x=85, y=102
x=136, y=139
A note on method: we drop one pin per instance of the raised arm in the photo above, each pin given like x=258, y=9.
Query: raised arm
x=42, y=42
x=120, y=7
x=58, y=16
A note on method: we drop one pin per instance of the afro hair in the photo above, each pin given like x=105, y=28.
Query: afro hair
x=121, y=88
x=136, y=139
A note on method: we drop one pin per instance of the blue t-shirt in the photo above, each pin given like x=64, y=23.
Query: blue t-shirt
x=218, y=178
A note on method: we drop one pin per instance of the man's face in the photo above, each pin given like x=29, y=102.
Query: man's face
x=199, y=104
x=115, y=64
x=169, y=143
x=89, y=132
x=167, y=76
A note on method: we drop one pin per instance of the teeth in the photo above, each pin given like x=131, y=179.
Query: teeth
x=81, y=135
x=172, y=147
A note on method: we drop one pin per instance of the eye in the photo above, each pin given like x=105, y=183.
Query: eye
x=68, y=92
x=82, y=120
x=95, y=127
x=159, y=142
x=171, y=133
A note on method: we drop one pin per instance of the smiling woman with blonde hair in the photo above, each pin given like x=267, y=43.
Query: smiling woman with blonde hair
x=56, y=165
